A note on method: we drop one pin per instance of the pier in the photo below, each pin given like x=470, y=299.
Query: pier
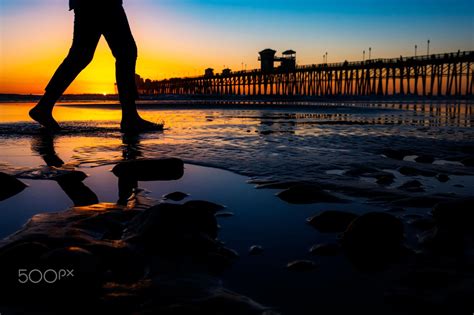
x=447, y=74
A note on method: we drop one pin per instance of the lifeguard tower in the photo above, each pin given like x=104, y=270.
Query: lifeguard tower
x=267, y=60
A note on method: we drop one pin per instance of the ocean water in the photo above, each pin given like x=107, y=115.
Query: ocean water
x=228, y=149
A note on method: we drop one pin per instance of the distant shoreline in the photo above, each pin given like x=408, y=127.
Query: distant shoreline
x=7, y=98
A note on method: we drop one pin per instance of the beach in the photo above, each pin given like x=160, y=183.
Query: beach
x=278, y=169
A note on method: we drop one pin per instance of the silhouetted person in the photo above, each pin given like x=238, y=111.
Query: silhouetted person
x=92, y=19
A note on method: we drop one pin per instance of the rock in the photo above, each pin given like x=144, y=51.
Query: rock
x=150, y=169
x=385, y=179
x=301, y=265
x=174, y=228
x=456, y=214
x=412, y=186
x=422, y=223
x=10, y=186
x=359, y=170
x=107, y=224
x=396, y=154
x=176, y=196
x=332, y=221
x=411, y=171
x=443, y=240
x=204, y=206
x=412, y=216
x=307, y=194
x=255, y=250
x=396, y=210
x=419, y=201
x=427, y=159
x=329, y=249
x=86, y=273
x=373, y=239
x=469, y=161
x=212, y=300
x=443, y=178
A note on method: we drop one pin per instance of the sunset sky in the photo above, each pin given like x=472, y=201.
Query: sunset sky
x=183, y=37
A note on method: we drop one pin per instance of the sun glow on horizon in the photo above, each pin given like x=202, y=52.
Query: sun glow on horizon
x=182, y=38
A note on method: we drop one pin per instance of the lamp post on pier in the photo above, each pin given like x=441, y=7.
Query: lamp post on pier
x=428, y=47
x=363, y=56
x=416, y=48
x=370, y=53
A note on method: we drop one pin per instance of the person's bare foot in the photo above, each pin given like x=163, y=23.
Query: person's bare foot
x=44, y=118
x=139, y=124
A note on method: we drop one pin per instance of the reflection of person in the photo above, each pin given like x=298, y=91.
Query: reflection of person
x=75, y=189
x=92, y=20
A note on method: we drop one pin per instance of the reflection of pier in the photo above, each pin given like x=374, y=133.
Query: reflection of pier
x=450, y=74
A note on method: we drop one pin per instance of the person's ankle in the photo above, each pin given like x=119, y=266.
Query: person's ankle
x=43, y=108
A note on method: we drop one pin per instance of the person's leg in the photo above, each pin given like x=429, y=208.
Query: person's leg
x=119, y=37
x=86, y=37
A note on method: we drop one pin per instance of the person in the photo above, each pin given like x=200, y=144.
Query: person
x=92, y=19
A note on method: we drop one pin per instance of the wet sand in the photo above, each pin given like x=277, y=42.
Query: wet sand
x=362, y=155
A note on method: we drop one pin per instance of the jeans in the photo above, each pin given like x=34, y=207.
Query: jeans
x=89, y=25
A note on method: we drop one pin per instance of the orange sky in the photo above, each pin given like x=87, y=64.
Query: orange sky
x=179, y=38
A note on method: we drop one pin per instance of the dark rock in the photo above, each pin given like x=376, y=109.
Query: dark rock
x=373, y=239
x=422, y=223
x=419, y=201
x=307, y=194
x=276, y=185
x=411, y=171
x=266, y=132
x=108, y=224
x=176, y=196
x=332, y=221
x=14, y=256
x=329, y=249
x=255, y=250
x=150, y=169
x=301, y=265
x=443, y=178
x=442, y=240
x=174, y=228
x=385, y=179
x=412, y=186
x=456, y=214
x=87, y=272
x=412, y=216
x=204, y=206
x=10, y=186
x=469, y=161
x=360, y=170
x=211, y=300
x=396, y=154
x=427, y=159
x=396, y=210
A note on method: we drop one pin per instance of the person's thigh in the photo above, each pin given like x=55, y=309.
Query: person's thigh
x=87, y=34
x=118, y=34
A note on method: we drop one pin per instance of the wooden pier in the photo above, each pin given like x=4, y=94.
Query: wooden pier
x=449, y=74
